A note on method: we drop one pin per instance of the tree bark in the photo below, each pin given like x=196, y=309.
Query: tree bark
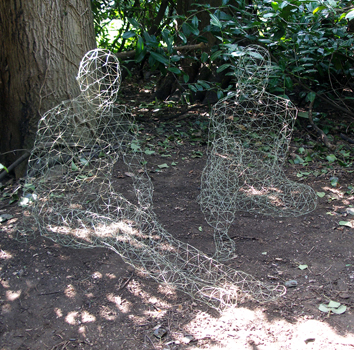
x=41, y=45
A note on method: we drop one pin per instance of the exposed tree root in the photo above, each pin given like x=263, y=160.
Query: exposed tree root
x=15, y=164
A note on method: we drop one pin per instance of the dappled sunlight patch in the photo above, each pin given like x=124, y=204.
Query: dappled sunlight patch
x=5, y=255
x=82, y=330
x=64, y=257
x=336, y=194
x=203, y=326
x=321, y=334
x=240, y=314
x=156, y=313
x=58, y=312
x=5, y=284
x=136, y=289
x=116, y=299
x=85, y=232
x=97, y=275
x=137, y=320
x=157, y=309
x=111, y=276
x=252, y=191
x=86, y=317
x=108, y=313
x=336, y=191
x=121, y=304
x=72, y=318
x=70, y=291
x=12, y=295
x=242, y=328
x=6, y=308
x=158, y=303
x=75, y=317
x=167, y=290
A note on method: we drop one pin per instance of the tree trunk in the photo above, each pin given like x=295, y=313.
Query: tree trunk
x=41, y=45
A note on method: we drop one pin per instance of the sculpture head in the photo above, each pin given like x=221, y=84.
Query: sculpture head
x=99, y=77
x=253, y=71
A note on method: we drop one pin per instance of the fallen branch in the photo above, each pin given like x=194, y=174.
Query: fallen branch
x=131, y=53
x=126, y=282
x=346, y=138
x=323, y=136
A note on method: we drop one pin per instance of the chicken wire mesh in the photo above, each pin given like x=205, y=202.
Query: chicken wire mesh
x=71, y=172
x=249, y=135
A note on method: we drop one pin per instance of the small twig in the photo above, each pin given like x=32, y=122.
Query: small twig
x=150, y=341
x=50, y=293
x=323, y=136
x=310, y=250
x=63, y=345
x=326, y=271
x=245, y=238
x=126, y=282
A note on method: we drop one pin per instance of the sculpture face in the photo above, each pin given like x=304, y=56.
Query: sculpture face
x=99, y=77
x=254, y=68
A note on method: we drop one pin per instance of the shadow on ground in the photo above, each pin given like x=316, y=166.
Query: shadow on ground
x=60, y=298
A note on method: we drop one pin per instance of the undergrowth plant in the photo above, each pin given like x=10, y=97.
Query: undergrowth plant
x=311, y=41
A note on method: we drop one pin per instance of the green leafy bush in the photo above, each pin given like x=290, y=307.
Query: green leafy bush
x=308, y=39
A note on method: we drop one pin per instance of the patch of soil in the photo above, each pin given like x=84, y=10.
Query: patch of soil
x=54, y=297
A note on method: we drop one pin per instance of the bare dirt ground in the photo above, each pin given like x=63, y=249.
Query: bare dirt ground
x=52, y=297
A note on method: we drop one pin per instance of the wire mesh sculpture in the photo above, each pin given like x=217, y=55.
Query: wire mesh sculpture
x=71, y=168
x=249, y=135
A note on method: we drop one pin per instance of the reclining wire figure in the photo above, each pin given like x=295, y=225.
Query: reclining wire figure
x=249, y=135
x=71, y=167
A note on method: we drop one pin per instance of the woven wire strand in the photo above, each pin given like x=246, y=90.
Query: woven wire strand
x=72, y=171
x=249, y=136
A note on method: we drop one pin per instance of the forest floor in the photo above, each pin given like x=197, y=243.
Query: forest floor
x=52, y=297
